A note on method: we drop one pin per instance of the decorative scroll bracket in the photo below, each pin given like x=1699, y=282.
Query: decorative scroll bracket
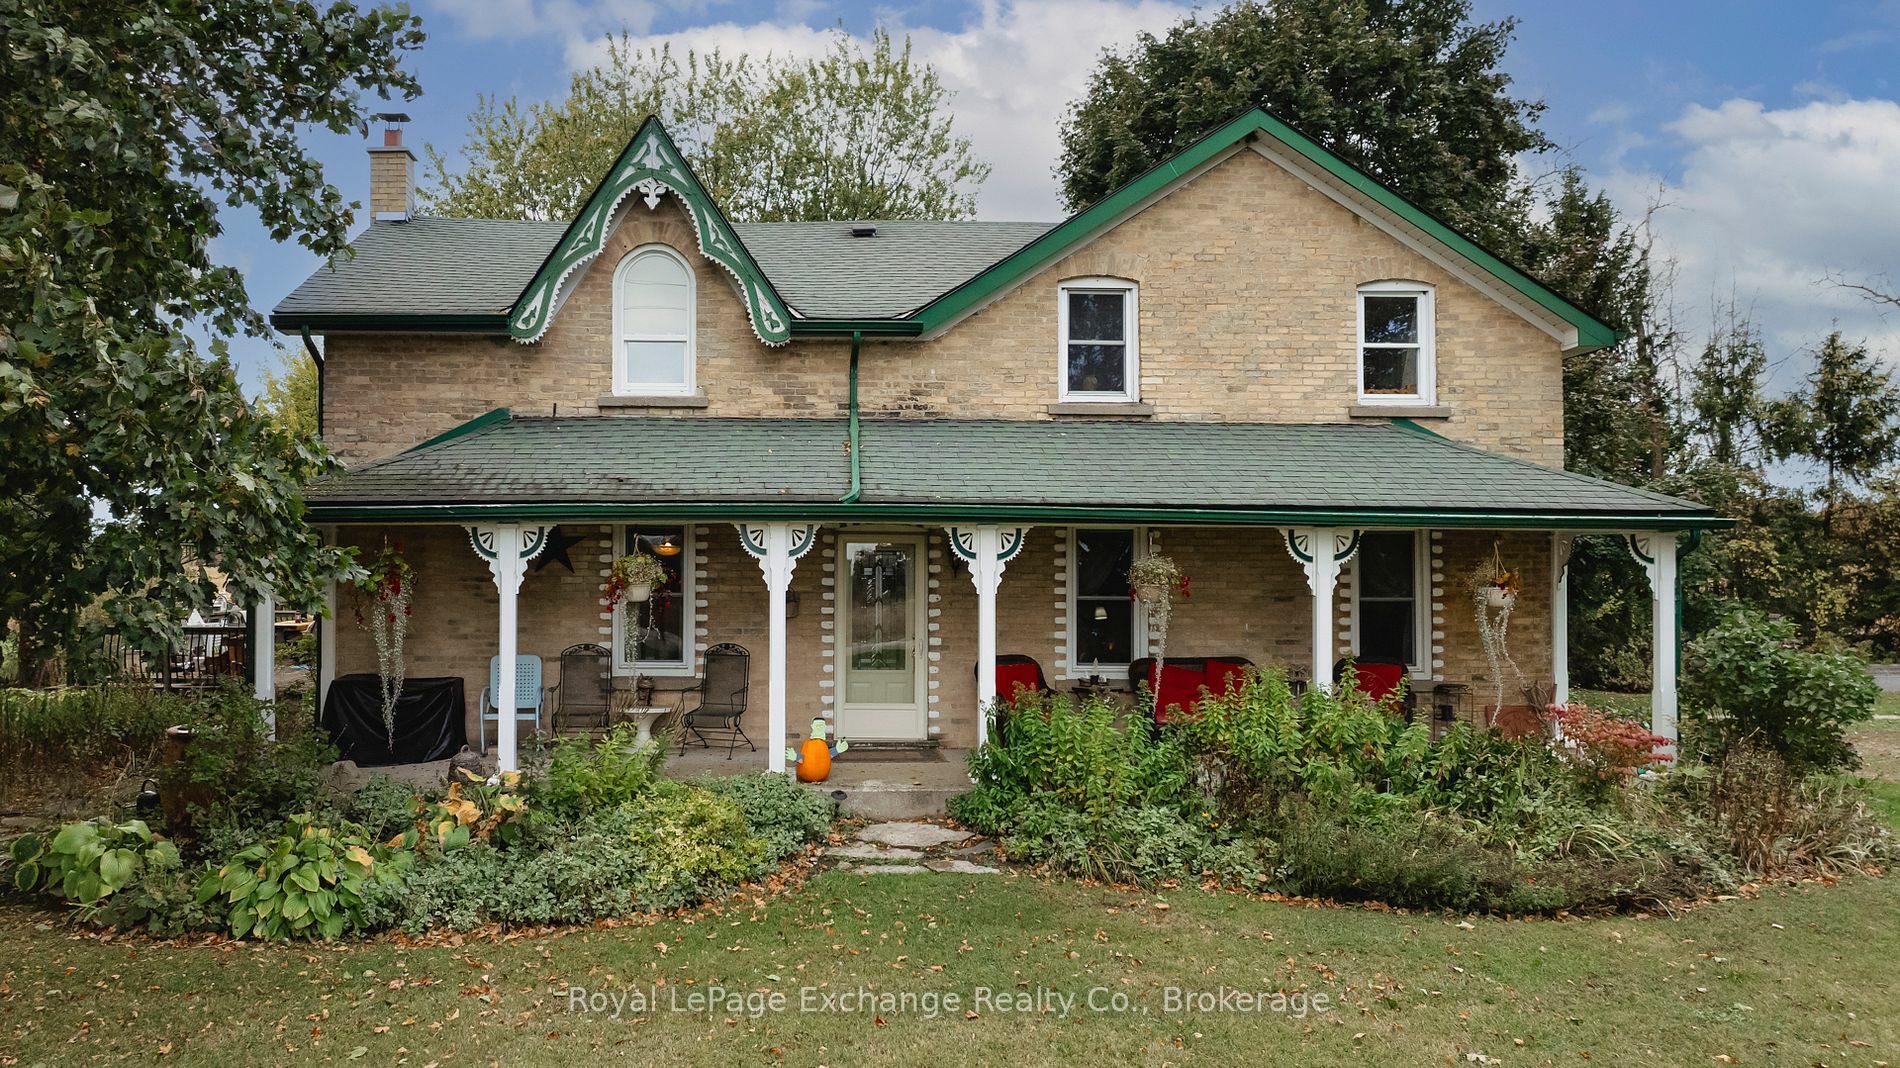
x=1300, y=545
x=777, y=547
x=484, y=540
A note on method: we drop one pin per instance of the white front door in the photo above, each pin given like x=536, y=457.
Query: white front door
x=882, y=691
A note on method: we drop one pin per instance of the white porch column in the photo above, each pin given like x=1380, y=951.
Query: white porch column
x=777, y=547
x=988, y=550
x=507, y=548
x=1657, y=553
x=264, y=658
x=1560, y=546
x=326, y=636
x=1321, y=551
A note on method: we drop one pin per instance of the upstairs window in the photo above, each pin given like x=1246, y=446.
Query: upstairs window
x=1395, y=343
x=653, y=323
x=1096, y=319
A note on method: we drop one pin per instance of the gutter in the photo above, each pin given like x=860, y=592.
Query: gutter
x=311, y=347
x=852, y=443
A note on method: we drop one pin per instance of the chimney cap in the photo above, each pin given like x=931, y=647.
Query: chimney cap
x=392, y=116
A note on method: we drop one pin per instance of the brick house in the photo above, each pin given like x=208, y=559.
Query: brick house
x=880, y=454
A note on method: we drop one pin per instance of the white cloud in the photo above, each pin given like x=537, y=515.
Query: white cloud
x=1769, y=202
x=1014, y=68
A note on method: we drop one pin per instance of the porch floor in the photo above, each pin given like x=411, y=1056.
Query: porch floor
x=876, y=784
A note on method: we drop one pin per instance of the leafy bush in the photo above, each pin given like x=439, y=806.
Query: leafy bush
x=233, y=774
x=313, y=881
x=1077, y=756
x=1749, y=680
x=777, y=809
x=99, y=866
x=582, y=778
x=384, y=807
x=1777, y=821
x=472, y=810
x=1604, y=747
x=1144, y=843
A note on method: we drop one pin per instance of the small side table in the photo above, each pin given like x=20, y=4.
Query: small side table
x=643, y=716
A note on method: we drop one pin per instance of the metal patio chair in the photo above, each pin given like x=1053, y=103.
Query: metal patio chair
x=529, y=696
x=582, y=696
x=722, y=692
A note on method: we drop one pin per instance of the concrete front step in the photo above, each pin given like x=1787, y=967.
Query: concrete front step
x=881, y=799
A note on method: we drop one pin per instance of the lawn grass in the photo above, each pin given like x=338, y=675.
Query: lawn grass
x=1802, y=975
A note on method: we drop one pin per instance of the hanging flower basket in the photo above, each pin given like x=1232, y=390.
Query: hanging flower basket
x=387, y=585
x=1499, y=597
x=1151, y=593
x=634, y=577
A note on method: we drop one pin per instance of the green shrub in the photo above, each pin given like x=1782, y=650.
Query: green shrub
x=472, y=809
x=313, y=881
x=1747, y=679
x=582, y=777
x=384, y=807
x=233, y=774
x=1143, y=844
x=777, y=809
x=1076, y=755
x=301, y=650
x=89, y=864
x=1404, y=858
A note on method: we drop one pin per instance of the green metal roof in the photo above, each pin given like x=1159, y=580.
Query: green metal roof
x=1372, y=474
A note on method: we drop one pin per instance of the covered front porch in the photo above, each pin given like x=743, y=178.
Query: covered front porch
x=885, y=615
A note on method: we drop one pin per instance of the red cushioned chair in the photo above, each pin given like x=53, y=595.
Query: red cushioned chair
x=1386, y=684
x=1183, y=678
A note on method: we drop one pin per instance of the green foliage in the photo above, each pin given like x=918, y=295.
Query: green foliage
x=777, y=809
x=1074, y=754
x=289, y=396
x=50, y=734
x=86, y=863
x=853, y=134
x=232, y=773
x=301, y=650
x=472, y=810
x=584, y=777
x=133, y=460
x=1749, y=681
x=384, y=807
x=311, y=882
x=1141, y=843
x=1411, y=92
x=1846, y=418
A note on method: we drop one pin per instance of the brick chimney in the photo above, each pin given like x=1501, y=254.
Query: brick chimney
x=392, y=173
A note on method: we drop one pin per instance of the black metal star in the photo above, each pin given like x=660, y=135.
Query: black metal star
x=559, y=542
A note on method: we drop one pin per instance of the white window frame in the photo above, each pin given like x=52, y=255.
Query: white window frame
x=1421, y=603
x=1131, y=322
x=689, y=609
x=1115, y=673
x=623, y=331
x=1427, y=341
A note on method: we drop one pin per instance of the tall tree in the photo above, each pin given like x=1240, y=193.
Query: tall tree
x=1410, y=91
x=133, y=459
x=1846, y=418
x=855, y=134
x=289, y=396
x=1725, y=391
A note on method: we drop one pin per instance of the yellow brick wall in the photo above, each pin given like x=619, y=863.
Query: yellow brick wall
x=1248, y=312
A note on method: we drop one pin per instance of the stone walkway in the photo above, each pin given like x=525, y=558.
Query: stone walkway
x=912, y=849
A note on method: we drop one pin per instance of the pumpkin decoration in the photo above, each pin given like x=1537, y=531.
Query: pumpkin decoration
x=812, y=761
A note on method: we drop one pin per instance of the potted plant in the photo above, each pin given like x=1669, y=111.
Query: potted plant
x=634, y=577
x=1502, y=589
x=1494, y=590
x=1153, y=581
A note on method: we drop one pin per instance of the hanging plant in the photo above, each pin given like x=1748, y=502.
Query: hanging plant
x=633, y=580
x=1494, y=590
x=388, y=585
x=1153, y=581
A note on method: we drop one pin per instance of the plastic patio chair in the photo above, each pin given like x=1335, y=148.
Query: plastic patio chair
x=529, y=696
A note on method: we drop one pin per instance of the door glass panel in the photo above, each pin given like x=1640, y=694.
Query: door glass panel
x=880, y=653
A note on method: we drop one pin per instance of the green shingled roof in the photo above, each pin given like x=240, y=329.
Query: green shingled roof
x=1371, y=474
x=477, y=267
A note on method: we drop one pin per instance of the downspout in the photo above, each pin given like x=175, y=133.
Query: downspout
x=852, y=444
x=310, y=347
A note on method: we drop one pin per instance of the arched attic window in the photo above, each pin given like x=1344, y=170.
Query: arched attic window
x=653, y=323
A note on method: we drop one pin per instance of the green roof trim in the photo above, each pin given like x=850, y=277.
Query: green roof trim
x=1592, y=333
x=650, y=166
x=480, y=422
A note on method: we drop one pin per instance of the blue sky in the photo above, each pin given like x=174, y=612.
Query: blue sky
x=1769, y=132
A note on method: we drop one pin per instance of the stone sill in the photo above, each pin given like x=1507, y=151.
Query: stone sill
x=653, y=400
x=1130, y=408
x=1399, y=411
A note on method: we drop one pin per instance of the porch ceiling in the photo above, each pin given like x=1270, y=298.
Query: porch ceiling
x=1367, y=473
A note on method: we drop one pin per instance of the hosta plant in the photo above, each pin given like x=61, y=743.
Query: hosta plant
x=473, y=809
x=307, y=883
x=85, y=863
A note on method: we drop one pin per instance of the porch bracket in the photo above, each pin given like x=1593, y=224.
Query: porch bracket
x=777, y=547
x=988, y=550
x=507, y=548
x=1320, y=552
x=1657, y=553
